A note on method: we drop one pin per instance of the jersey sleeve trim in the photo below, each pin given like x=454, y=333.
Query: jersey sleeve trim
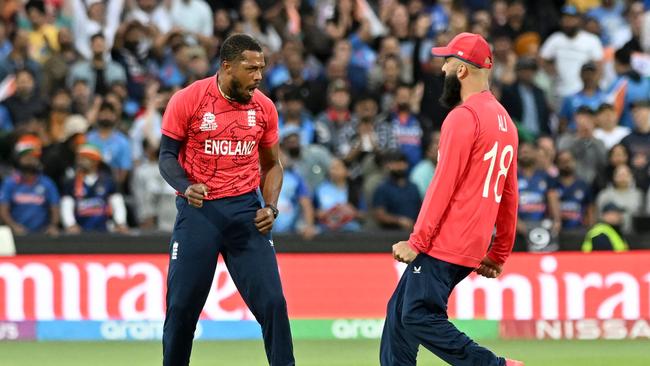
x=169, y=133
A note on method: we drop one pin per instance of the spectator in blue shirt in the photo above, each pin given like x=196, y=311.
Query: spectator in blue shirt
x=114, y=145
x=90, y=199
x=609, y=15
x=294, y=203
x=538, y=196
x=407, y=125
x=293, y=113
x=339, y=204
x=590, y=96
x=29, y=201
x=422, y=173
x=637, y=88
x=396, y=202
x=576, y=200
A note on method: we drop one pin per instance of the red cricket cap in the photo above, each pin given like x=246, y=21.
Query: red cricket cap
x=468, y=47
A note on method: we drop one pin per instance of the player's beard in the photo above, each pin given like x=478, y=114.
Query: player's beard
x=450, y=92
x=238, y=92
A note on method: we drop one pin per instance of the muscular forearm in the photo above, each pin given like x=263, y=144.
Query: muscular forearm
x=271, y=183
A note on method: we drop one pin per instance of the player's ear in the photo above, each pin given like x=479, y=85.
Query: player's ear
x=462, y=71
x=226, y=66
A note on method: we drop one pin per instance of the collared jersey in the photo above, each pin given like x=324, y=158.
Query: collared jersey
x=474, y=187
x=220, y=138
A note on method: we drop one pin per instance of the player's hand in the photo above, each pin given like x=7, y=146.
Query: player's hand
x=402, y=252
x=264, y=220
x=489, y=268
x=195, y=194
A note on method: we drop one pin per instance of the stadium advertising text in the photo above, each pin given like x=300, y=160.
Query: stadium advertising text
x=560, y=287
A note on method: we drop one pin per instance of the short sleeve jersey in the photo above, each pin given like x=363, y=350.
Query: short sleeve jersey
x=220, y=137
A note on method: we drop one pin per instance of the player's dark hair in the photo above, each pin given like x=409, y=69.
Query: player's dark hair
x=235, y=45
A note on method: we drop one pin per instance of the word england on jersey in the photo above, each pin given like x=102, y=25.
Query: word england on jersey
x=228, y=147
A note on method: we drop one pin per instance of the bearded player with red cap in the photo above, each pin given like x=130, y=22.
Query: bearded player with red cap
x=474, y=190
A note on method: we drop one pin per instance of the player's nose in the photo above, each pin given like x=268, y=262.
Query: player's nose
x=257, y=76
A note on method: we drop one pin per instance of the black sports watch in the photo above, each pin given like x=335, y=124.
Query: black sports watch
x=274, y=209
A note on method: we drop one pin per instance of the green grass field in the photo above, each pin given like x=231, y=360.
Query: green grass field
x=312, y=353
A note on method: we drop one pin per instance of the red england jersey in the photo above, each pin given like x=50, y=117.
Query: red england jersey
x=220, y=138
x=474, y=187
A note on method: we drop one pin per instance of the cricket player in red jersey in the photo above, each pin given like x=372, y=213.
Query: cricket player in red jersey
x=219, y=144
x=474, y=189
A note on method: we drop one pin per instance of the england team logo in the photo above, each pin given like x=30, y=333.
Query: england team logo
x=209, y=123
x=251, y=117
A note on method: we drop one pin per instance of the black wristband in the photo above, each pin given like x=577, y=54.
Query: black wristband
x=274, y=209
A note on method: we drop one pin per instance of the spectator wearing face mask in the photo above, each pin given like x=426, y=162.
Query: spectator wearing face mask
x=590, y=153
x=29, y=200
x=309, y=161
x=396, y=202
x=576, y=200
x=407, y=125
x=114, y=145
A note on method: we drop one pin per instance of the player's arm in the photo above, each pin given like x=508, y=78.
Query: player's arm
x=506, y=223
x=456, y=140
x=173, y=134
x=270, y=184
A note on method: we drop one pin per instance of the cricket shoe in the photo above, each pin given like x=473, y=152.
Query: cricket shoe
x=514, y=363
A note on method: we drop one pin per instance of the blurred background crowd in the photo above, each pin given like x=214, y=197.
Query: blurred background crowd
x=84, y=84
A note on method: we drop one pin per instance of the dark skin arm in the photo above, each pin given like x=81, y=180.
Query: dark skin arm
x=270, y=185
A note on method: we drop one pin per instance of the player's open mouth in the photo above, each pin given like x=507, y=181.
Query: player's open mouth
x=251, y=90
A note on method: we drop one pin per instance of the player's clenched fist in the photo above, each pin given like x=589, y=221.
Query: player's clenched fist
x=489, y=268
x=264, y=219
x=403, y=252
x=195, y=194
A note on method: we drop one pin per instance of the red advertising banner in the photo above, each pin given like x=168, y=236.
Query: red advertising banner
x=131, y=287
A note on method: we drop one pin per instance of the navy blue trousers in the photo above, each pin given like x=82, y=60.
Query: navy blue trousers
x=417, y=315
x=224, y=226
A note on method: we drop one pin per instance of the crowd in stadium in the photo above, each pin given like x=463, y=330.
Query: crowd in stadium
x=84, y=84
